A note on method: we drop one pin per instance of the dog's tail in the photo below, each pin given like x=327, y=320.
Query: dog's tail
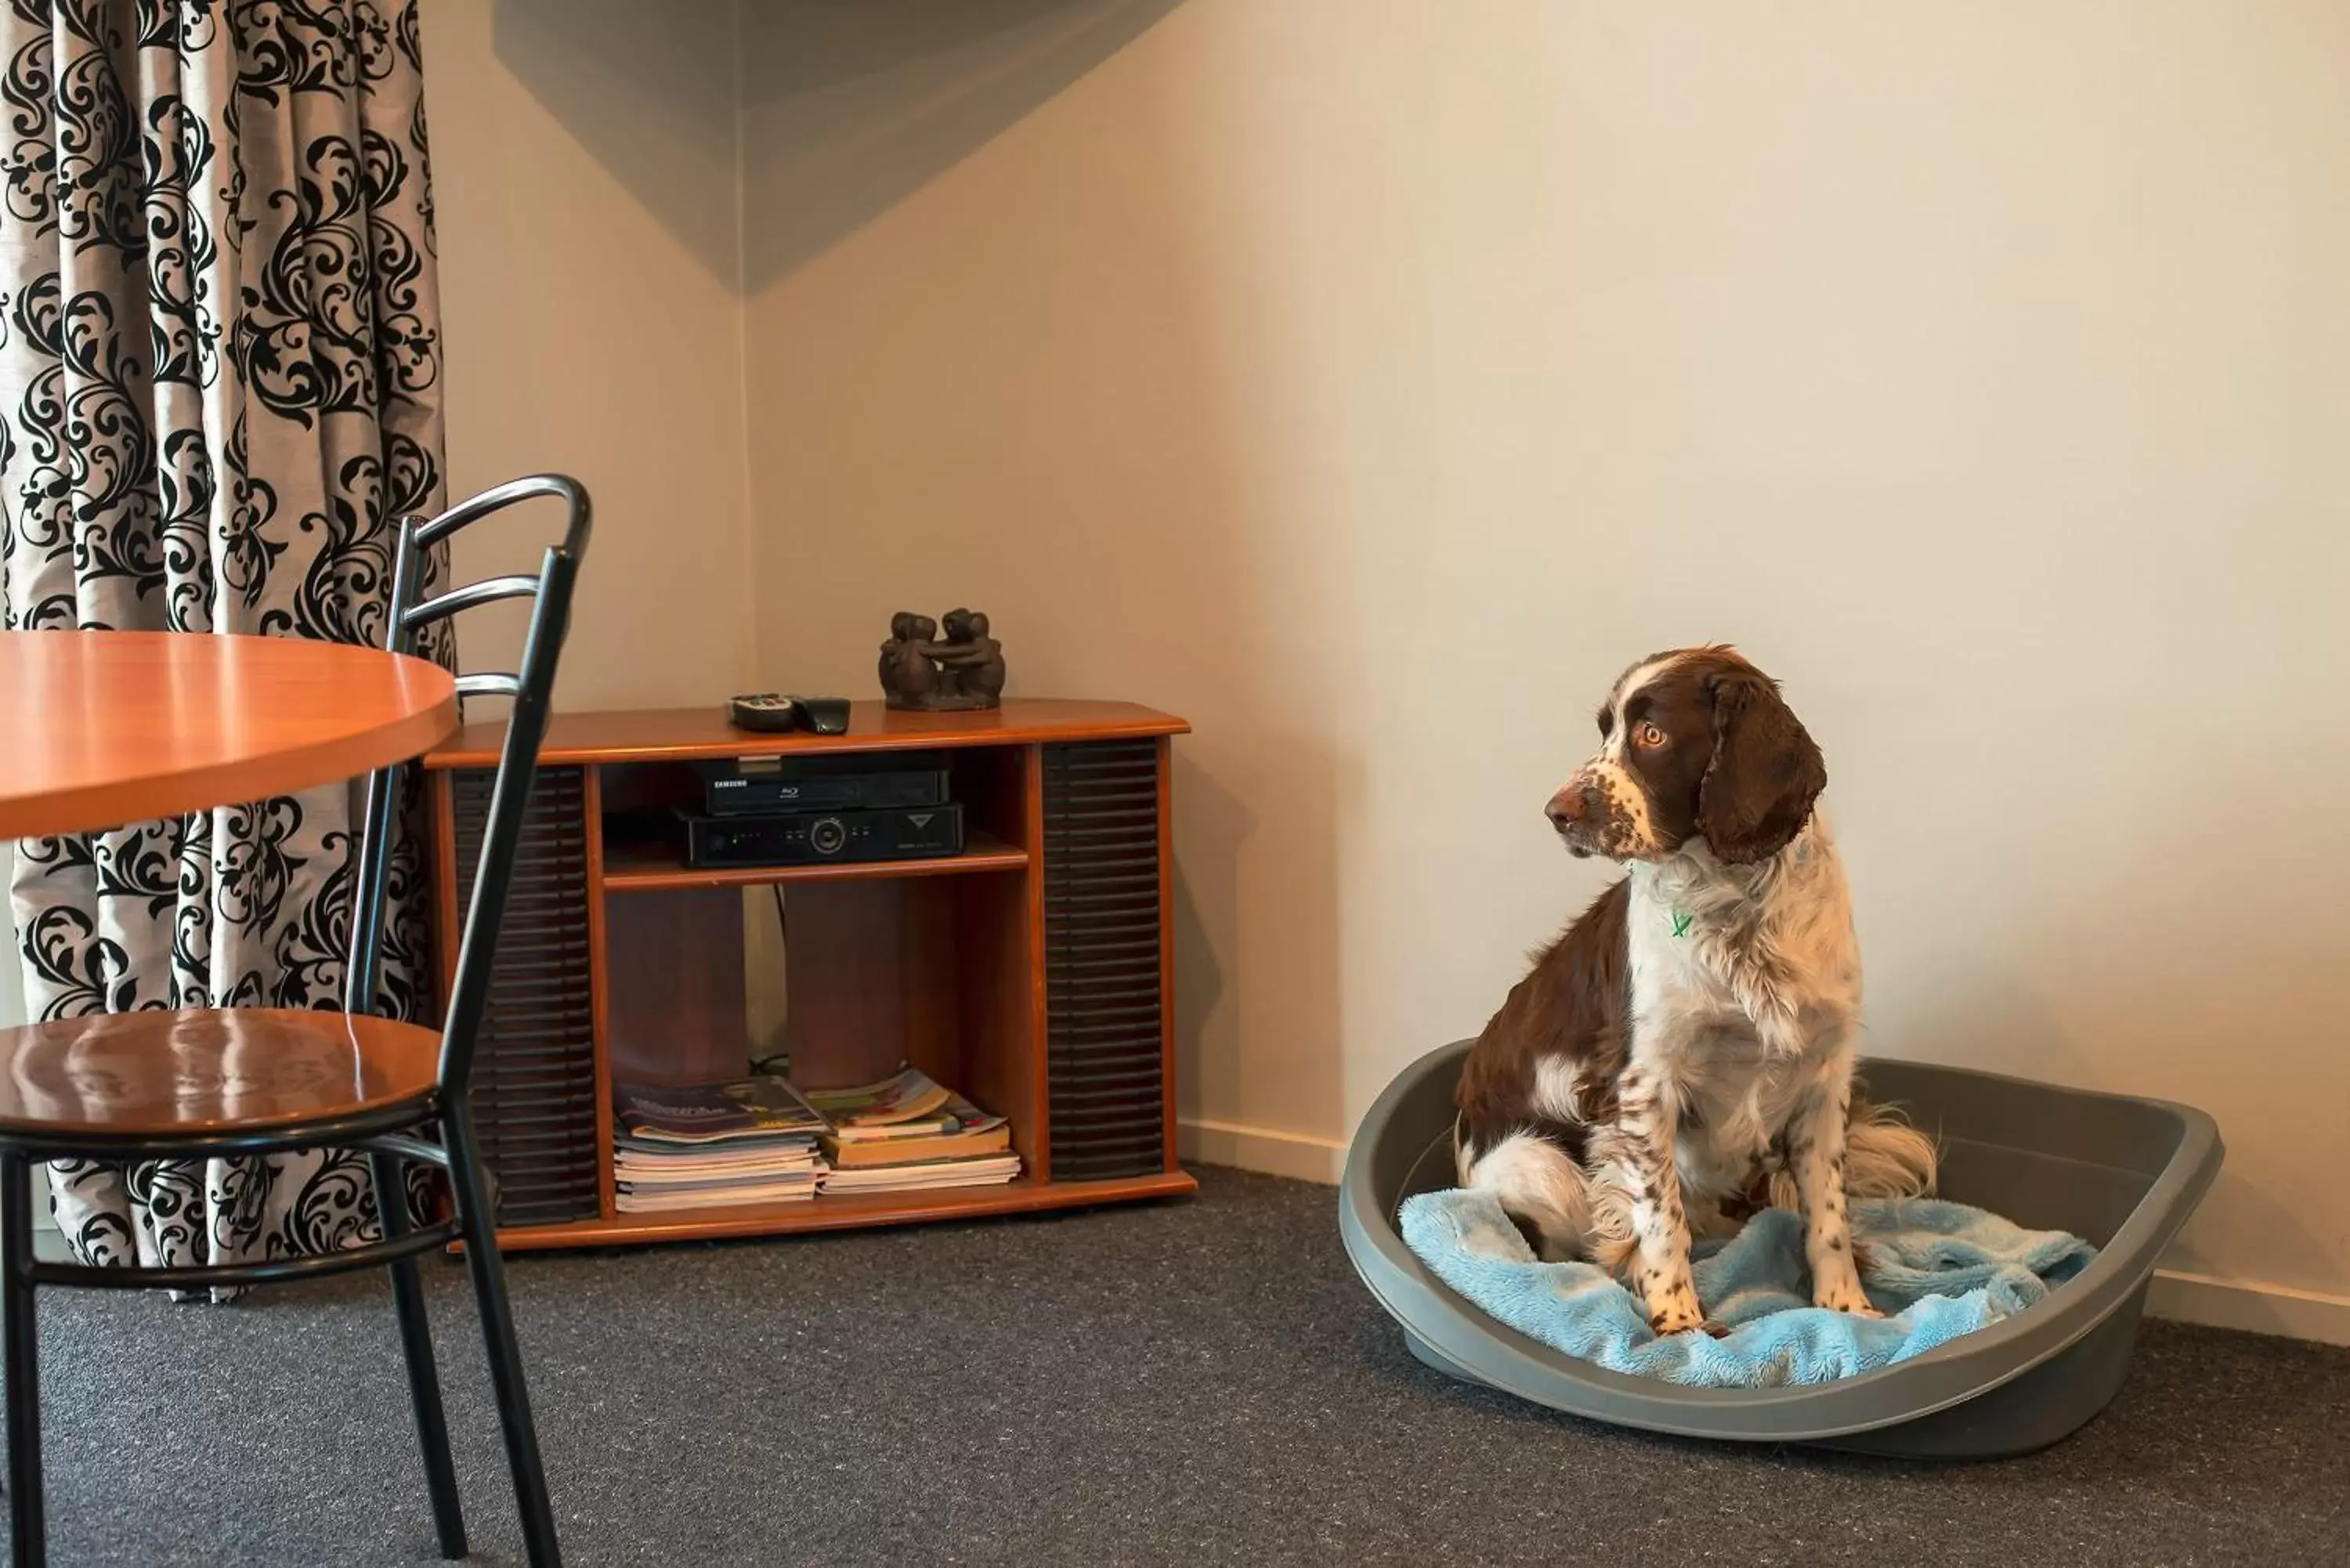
x=1885, y=1156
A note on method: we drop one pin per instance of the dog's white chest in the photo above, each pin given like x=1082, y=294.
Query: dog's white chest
x=1705, y=952
x=1674, y=978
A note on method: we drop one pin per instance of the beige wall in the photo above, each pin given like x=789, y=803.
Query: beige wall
x=584, y=184
x=1370, y=381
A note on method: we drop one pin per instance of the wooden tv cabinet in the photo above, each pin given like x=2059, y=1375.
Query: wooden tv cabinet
x=1031, y=971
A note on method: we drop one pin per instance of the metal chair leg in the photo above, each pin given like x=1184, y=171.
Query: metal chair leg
x=480, y=1221
x=27, y=1530
x=423, y=1377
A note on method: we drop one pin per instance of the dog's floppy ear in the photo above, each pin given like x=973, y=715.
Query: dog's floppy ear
x=1765, y=773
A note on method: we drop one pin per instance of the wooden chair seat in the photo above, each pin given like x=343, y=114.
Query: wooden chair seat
x=213, y=1070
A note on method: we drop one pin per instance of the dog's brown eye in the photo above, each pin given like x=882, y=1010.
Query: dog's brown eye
x=1649, y=735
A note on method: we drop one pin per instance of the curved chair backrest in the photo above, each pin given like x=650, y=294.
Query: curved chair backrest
x=530, y=687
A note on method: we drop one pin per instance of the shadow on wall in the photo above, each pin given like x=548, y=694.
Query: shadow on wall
x=646, y=97
x=859, y=105
x=1282, y=973
x=1039, y=419
x=1067, y=452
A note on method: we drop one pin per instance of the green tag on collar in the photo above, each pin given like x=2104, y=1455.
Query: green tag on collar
x=1682, y=923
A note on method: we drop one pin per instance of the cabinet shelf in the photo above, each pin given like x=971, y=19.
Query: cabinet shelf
x=650, y=870
x=847, y=1211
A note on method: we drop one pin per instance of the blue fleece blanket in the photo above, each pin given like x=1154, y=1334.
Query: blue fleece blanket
x=1937, y=1270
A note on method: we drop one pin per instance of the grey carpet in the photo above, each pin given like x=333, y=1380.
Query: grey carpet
x=1192, y=1383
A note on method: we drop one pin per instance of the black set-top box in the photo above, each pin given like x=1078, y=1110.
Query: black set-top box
x=801, y=837
x=751, y=786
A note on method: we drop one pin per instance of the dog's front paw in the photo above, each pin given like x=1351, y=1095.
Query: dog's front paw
x=1671, y=1321
x=1678, y=1312
x=1844, y=1299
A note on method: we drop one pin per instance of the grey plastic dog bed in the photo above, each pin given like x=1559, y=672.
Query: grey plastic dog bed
x=2122, y=1173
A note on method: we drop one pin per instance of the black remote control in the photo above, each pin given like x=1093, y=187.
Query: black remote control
x=824, y=715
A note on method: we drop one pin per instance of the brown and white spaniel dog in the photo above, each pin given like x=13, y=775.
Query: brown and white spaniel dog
x=1684, y=1054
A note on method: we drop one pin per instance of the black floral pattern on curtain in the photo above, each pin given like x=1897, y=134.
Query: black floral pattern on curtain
x=219, y=388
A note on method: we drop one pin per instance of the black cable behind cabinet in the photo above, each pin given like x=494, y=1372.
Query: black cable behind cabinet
x=1104, y=1014
x=535, y=1080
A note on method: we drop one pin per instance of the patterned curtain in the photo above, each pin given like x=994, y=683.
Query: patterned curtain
x=219, y=388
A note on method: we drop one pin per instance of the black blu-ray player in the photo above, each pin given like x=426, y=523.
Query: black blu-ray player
x=801, y=837
x=767, y=785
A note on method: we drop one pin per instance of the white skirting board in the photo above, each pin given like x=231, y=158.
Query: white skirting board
x=2248, y=1304
x=2189, y=1298
x=1299, y=1156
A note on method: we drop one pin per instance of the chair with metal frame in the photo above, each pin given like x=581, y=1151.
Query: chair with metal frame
x=198, y=1084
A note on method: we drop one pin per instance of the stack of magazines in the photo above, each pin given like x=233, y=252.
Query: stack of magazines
x=689, y=1145
x=907, y=1132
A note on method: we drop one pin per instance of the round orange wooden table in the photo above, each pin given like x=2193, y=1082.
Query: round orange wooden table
x=103, y=727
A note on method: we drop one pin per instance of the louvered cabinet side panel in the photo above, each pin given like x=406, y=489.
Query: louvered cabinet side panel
x=535, y=1074
x=1105, y=1012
